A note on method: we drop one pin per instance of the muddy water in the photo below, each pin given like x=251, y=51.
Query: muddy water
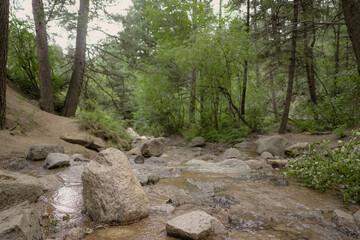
x=290, y=211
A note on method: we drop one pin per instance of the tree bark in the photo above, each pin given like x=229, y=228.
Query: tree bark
x=74, y=91
x=246, y=65
x=285, y=115
x=46, y=95
x=352, y=20
x=192, y=96
x=4, y=35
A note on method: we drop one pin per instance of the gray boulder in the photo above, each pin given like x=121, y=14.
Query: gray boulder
x=40, y=151
x=296, y=149
x=163, y=208
x=259, y=165
x=345, y=222
x=79, y=158
x=135, y=151
x=180, y=197
x=16, y=188
x=357, y=218
x=21, y=222
x=153, y=148
x=197, y=142
x=274, y=145
x=18, y=164
x=111, y=192
x=85, y=140
x=231, y=153
x=56, y=160
x=266, y=155
x=194, y=225
x=52, y=182
x=228, y=166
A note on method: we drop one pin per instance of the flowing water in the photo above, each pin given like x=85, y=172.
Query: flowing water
x=270, y=208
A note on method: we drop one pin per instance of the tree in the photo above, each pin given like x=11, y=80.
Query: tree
x=74, y=91
x=46, y=95
x=4, y=33
x=352, y=19
x=292, y=66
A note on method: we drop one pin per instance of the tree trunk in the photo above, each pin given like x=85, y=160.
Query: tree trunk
x=192, y=97
x=4, y=34
x=73, y=94
x=246, y=65
x=46, y=95
x=285, y=115
x=352, y=20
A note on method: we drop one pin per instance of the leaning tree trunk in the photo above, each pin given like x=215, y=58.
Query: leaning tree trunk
x=246, y=64
x=4, y=34
x=352, y=19
x=285, y=115
x=73, y=94
x=46, y=95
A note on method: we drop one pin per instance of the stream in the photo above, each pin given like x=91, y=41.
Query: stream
x=251, y=206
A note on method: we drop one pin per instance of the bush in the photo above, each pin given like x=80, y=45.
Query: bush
x=324, y=168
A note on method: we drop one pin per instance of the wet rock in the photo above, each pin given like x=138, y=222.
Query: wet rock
x=16, y=188
x=52, y=182
x=56, y=160
x=20, y=222
x=40, y=151
x=134, y=152
x=111, y=192
x=164, y=208
x=280, y=182
x=223, y=201
x=266, y=155
x=147, y=179
x=153, y=148
x=18, y=164
x=197, y=142
x=243, y=219
x=296, y=149
x=79, y=158
x=231, y=153
x=229, y=166
x=194, y=225
x=180, y=197
x=259, y=165
x=132, y=133
x=139, y=160
x=75, y=234
x=278, y=163
x=345, y=222
x=210, y=157
x=312, y=215
x=273, y=144
x=85, y=140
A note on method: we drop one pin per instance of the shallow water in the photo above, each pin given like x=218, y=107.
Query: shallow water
x=293, y=212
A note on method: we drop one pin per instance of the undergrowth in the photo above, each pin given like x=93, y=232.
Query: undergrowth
x=323, y=168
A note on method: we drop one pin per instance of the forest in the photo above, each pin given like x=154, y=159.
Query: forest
x=179, y=67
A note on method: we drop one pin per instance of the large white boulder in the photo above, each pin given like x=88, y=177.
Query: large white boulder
x=111, y=192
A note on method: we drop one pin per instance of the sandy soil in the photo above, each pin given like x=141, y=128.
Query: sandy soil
x=27, y=125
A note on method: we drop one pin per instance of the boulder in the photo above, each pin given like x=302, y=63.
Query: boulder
x=139, y=160
x=194, y=225
x=210, y=157
x=259, y=165
x=228, y=166
x=164, y=208
x=296, y=149
x=16, y=188
x=277, y=163
x=111, y=192
x=266, y=155
x=242, y=219
x=231, y=153
x=18, y=164
x=85, y=140
x=147, y=179
x=153, y=148
x=345, y=222
x=197, y=142
x=56, y=160
x=52, y=182
x=40, y=151
x=357, y=218
x=79, y=158
x=274, y=145
x=132, y=133
x=180, y=197
x=135, y=151
x=21, y=222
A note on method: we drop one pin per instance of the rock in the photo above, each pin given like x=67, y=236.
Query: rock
x=56, y=160
x=259, y=165
x=242, y=219
x=231, y=153
x=357, y=218
x=266, y=155
x=52, y=182
x=274, y=145
x=164, y=208
x=139, y=160
x=296, y=149
x=111, y=192
x=197, y=142
x=16, y=188
x=194, y=225
x=135, y=151
x=85, y=140
x=210, y=157
x=20, y=222
x=224, y=201
x=245, y=146
x=153, y=148
x=79, y=158
x=18, y=164
x=228, y=166
x=180, y=197
x=132, y=133
x=75, y=234
x=278, y=163
x=157, y=160
x=345, y=222
x=40, y=151
x=147, y=179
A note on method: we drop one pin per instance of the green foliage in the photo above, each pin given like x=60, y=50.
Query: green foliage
x=324, y=168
